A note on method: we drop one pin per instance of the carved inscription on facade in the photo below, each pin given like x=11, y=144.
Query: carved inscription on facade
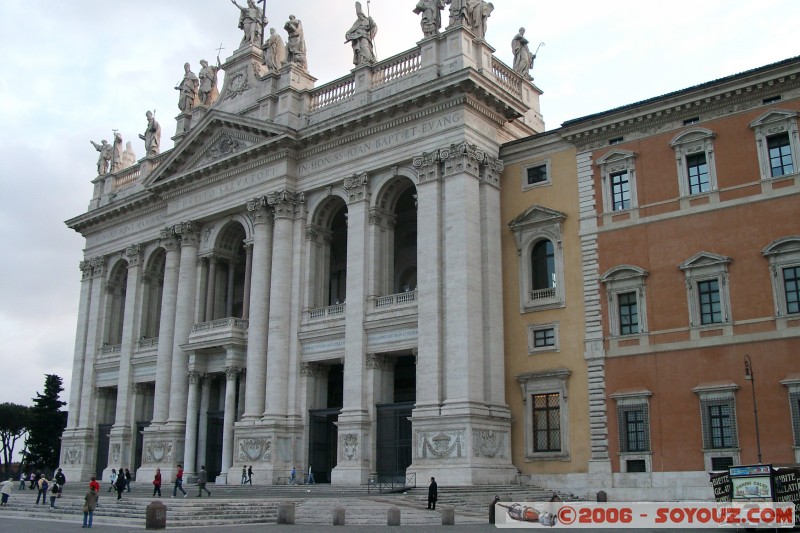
x=156, y=220
x=381, y=142
x=230, y=186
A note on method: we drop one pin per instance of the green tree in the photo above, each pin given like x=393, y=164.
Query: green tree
x=47, y=422
x=14, y=419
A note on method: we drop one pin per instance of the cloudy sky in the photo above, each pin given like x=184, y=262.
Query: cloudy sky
x=74, y=71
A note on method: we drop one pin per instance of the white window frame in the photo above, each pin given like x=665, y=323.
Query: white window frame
x=775, y=122
x=614, y=162
x=782, y=253
x=688, y=143
x=533, y=328
x=706, y=266
x=709, y=394
x=632, y=401
x=536, y=224
x=524, y=178
x=792, y=384
x=546, y=382
x=624, y=279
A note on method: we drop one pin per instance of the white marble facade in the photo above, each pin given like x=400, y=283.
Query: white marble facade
x=292, y=235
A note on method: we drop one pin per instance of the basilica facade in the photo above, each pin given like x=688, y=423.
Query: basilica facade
x=312, y=276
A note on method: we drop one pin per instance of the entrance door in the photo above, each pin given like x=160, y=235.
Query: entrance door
x=214, y=444
x=394, y=440
x=103, y=438
x=322, y=443
x=137, y=453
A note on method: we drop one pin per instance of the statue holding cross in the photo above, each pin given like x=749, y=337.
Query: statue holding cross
x=252, y=21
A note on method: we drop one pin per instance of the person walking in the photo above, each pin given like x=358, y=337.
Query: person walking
x=113, y=478
x=55, y=492
x=89, y=505
x=157, y=483
x=202, y=479
x=250, y=474
x=293, y=476
x=23, y=477
x=433, y=494
x=43, y=486
x=5, y=492
x=310, y=480
x=179, y=482
x=128, y=479
x=120, y=484
x=61, y=479
x=244, y=474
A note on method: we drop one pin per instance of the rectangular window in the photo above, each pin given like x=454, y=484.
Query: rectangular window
x=635, y=466
x=546, y=422
x=635, y=431
x=791, y=287
x=720, y=425
x=709, y=299
x=537, y=174
x=628, y=314
x=721, y=463
x=780, y=155
x=543, y=338
x=690, y=121
x=620, y=191
x=697, y=171
x=616, y=140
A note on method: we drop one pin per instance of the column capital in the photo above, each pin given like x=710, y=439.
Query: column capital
x=309, y=370
x=232, y=372
x=259, y=210
x=285, y=202
x=189, y=233
x=194, y=377
x=357, y=187
x=168, y=240
x=134, y=255
x=428, y=166
x=377, y=362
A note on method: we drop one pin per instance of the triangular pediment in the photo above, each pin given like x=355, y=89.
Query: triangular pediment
x=218, y=140
x=535, y=215
x=702, y=259
x=774, y=115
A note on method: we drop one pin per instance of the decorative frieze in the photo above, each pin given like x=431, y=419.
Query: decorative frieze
x=440, y=444
x=252, y=450
x=489, y=444
x=158, y=452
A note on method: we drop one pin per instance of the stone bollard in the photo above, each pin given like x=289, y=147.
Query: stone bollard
x=156, y=516
x=492, y=509
x=602, y=496
x=286, y=513
x=393, y=516
x=338, y=516
x=448, y=516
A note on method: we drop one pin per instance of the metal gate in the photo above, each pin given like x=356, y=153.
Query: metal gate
x=394, y=440
x=322, y=443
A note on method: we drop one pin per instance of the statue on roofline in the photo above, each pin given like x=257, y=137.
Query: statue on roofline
x=252, y=22
x=296, y=45
x=431, y=11
x=361, y=36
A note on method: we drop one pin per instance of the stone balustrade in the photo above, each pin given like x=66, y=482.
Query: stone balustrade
x=393, y=300
x=330, y=311
x=506, y=77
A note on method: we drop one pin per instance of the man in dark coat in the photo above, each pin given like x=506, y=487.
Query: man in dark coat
x=202, y=479
x=120, y=484
x=433, y=494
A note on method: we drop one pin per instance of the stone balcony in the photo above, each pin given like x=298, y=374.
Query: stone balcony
x=219, y=333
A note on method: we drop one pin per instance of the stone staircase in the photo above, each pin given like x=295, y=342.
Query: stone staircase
x=237, y=504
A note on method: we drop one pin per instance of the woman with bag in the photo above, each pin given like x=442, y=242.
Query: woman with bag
x=157, y=483
x=55, y=492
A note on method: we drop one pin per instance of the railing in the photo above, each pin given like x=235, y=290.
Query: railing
x=389, y=483
x=507, y=77
x=108, y=350
x=541, y=294
x=127, y=178
x=333, y=310
x=398, y=66
x=148, y=342
x=395, y=299
x=332, y=93
x=237, y=323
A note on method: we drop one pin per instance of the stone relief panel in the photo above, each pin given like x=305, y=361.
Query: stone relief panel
x=73, y=455
x=252, y=450
x=158, y=452
x=116, y=452
x=350, y=446
x=440, y=444
x=488, y=443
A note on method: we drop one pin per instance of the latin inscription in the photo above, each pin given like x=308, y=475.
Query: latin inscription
x=382, y=142
x=154, y=221
x=224, y=189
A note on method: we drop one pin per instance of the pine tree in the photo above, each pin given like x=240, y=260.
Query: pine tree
x=47, y=422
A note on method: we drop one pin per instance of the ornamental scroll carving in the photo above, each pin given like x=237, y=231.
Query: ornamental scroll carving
x=225, y=146
x=357, y=187
x=73, y=455
x=441, y=445
x=350, y=446
x=251, y=450
x=458, y=159
x=487, y=443
x=158, y=452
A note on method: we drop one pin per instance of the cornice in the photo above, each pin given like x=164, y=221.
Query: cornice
x=112, y=214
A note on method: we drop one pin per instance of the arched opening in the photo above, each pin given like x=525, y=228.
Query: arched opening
x=225, y=271
x=116, y=288
x=153, y=292
x=405, y=241
x=337, y=266
x=327, y=235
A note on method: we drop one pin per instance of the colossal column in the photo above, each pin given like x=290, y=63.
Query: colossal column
x=255, y=390
x=93, y=336
x=166, y=330
x=192, y=407
x=231, y=373
x=354, y=424
x=80, y=344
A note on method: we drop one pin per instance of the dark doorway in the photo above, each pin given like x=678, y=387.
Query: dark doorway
x=103, y=438
x=394, y=440
x=137, y=453
x=322, y=443
x=214, y=444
